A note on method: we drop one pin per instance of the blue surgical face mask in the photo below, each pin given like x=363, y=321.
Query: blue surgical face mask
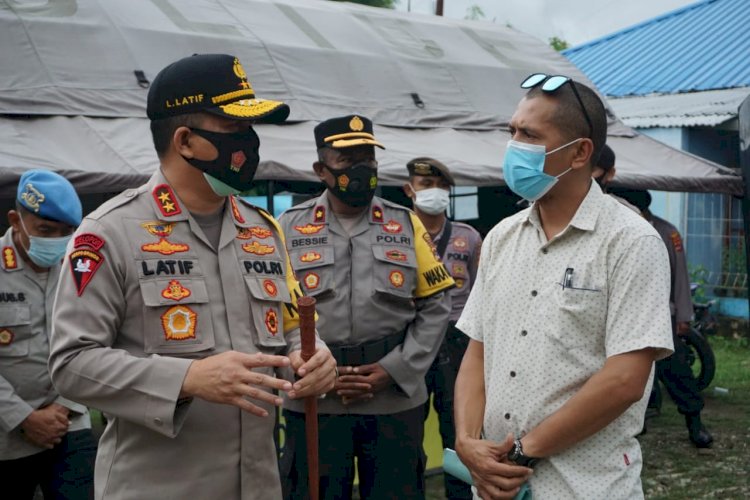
x=45, y=252
x=523, y=169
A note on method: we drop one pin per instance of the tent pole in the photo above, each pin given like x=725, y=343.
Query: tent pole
x=744, y=129
x=439, y=8
x=269, y=196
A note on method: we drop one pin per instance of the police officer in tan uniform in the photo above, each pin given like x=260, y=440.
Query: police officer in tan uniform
x=459, y=246
x=380, y=293
x=179, y=302
x=675, y=372
x=45, y=439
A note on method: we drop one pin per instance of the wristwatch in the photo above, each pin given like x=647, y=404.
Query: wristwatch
x=516, y=456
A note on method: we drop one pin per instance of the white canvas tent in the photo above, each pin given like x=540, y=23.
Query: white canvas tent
x=75, y=72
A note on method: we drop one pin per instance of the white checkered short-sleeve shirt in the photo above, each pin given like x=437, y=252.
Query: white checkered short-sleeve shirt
x=549, y=313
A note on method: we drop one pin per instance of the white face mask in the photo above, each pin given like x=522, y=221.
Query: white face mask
x=432, y=201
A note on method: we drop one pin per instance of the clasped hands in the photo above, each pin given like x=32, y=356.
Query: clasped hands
x=229, y=378
x=360, y=383
x=494, y=476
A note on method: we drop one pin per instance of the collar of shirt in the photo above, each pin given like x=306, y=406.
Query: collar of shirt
x=585, y=217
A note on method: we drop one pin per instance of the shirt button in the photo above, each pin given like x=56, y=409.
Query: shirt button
x=507, y=416
x=524, y=333
x=512, y=374
x=533, y=293
x=157, y=421
x=130, y=193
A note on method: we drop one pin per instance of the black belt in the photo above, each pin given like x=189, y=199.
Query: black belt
x=365, y=353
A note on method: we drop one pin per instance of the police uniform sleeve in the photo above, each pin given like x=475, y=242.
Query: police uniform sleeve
x=13, y=409
x=470, y=322
x=683, y=301
x=86, y=368
x=638, y=299
x=408, y=363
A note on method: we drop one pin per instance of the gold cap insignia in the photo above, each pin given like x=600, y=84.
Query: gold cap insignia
x=239, y=71
x=32, y=197
x=422, y=168
x=356, y=124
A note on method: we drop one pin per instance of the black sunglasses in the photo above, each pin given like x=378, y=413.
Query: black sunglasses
x=551, y=84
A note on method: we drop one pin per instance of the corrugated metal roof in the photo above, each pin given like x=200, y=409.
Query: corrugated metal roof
x=703, y=46
x=707, y=108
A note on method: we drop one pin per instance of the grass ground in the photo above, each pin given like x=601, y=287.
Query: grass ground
x=673, y=468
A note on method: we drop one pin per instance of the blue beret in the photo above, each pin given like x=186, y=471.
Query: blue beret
x=50, y=196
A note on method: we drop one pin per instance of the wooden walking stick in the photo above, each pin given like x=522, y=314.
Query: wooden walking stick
x=306, y=307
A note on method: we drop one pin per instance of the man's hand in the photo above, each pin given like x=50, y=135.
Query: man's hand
x=494, y=477
x=318, y=374
x=46, y=427
x=683, y=327
x=228, y=378
x=360, y=383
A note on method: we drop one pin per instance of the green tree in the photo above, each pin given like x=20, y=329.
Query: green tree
x=558, y=43
x=388, y=4
x=474, y=13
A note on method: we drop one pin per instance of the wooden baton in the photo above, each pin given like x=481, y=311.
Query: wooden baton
x=306, y=306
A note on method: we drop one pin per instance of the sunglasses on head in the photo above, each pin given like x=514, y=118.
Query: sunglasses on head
x=550, y=83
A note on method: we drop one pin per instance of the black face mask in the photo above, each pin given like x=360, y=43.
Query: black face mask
x=354, y=185
x=237, y=160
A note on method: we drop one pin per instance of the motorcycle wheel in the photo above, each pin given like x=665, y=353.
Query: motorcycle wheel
x=700, y=357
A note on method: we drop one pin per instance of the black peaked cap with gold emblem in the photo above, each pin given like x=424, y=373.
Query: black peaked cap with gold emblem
x=211, y=83
x=430, y=167
x=345, y=132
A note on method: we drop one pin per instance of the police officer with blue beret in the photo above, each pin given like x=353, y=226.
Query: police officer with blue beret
x=45, y=440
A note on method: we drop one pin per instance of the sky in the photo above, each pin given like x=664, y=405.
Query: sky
x=575, y=21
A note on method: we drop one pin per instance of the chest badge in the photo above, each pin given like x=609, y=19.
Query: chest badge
x=272, y=322
x=458, y=270
x=395, y=255
x=309, y=228
x=258, y=248
x=312, y=281
x=309, y=257
x=396, y=278
x=6, y=337
x=459, y=282
x=245, y=233
x=9, y=258
x=392, y=227
x=163, y=246
x=178, y=323
x=460, y=243
x=270, y=288
x=175, y=291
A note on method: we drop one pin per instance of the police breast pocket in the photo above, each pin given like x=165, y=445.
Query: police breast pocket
x=395, y=273
x=268, y=297
x=15, y=331
x=580, y=303
x=314, y=268
x=176, y=316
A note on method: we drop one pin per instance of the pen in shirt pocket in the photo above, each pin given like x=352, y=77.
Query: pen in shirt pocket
x=568, y=278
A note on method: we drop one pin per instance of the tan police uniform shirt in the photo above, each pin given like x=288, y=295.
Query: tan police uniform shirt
x=378, y=280
x=25, y=323
x=143, y=294
x=461, y=259
x=543, y=341
x=680, y=298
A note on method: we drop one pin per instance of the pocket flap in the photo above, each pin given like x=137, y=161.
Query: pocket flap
x=273, y=289
x=159, y=292
x=15, y=315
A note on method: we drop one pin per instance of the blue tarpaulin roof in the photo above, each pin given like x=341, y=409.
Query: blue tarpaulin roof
x=703, y=46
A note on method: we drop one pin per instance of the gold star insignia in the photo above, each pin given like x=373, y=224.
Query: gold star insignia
x=164, y=197
x=169, y=207
x=319, y=213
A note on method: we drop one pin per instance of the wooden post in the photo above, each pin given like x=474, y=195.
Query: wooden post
x=306, y=307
